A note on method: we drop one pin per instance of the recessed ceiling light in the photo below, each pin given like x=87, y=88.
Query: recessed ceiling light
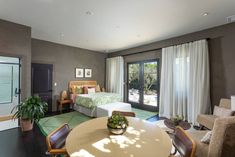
x=205, y=14
x=89, y=13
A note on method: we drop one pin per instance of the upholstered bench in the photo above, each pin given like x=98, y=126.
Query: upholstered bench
x=107, y=109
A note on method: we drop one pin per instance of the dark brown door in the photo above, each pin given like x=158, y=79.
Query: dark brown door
x=42, y=82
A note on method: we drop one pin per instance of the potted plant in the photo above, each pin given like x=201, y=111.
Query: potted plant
x=177, y=119
x=117, y=124
x=31, y=110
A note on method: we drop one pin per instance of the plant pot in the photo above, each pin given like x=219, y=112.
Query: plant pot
x=26, y=125
x=117, y=131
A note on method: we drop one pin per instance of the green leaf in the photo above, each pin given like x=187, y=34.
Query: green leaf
x=31, y=108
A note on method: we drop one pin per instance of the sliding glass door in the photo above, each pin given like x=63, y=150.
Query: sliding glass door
x=9, y=84
x=143, y=84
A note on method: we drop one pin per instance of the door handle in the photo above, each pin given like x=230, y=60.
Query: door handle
x=17, y=92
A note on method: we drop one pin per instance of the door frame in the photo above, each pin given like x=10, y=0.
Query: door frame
x=50, y=107
x=141, y=105
x=19, y=86
x=4, y=118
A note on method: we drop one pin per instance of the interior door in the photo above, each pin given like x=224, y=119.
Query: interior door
x=42, y=82
x=143, y=84
x=9, y=90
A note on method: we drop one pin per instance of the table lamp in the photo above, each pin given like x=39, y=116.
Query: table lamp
x=233, y=102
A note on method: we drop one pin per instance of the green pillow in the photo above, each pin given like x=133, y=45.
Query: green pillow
x=79, y=90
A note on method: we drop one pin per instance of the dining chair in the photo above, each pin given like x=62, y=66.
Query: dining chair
x=183, y=143
x=129, y=114
x=56, y=141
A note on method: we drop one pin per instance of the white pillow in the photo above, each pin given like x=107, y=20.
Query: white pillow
x=222, y=112
x=90, y=90
x=207, y=138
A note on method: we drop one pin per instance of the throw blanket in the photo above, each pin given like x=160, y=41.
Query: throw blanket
x=96, y=99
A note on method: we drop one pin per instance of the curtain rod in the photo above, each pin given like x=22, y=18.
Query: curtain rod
x=159, y=48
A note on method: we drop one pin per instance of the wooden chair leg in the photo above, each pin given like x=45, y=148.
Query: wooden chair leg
x=175, y=151
x=72, y=105
x=61, y=107
x=57, y=106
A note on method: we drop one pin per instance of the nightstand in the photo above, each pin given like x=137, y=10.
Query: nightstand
x=61, y=103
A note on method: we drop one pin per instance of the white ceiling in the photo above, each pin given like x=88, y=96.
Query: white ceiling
x=112, y=25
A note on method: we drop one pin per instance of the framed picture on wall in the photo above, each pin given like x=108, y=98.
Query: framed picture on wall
x=88, y=72
x=79, y=72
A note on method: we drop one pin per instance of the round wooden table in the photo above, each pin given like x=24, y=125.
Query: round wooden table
x=142, y=139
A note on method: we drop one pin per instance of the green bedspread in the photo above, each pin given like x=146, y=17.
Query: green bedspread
x=96, y=99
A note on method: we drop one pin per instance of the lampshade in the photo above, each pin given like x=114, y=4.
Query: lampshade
x=233, y=102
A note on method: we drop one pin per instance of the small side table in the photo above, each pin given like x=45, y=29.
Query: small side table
x=61, y=103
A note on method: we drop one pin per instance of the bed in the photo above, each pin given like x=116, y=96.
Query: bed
x=87, y=103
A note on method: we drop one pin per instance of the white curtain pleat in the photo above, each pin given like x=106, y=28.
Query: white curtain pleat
x=199, y=88
x=185, y=80
x=115, y=75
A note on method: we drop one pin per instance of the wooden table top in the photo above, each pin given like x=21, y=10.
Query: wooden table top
x=142, y=139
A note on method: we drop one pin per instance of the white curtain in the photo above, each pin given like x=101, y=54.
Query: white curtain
x=115, y=75
x=184, y=88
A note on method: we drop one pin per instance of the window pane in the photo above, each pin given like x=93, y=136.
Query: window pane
x=150, y=83
x=134, y=83
x=9, y=60
x=5, y=83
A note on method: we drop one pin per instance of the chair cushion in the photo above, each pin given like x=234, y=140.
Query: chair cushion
x=222, y=112
x=206, y=120
x=57, y=140
x=207, y=138
x=225, y=103
x=201, y=148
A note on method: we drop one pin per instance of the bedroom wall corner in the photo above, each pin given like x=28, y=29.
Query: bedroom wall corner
x=65, y=59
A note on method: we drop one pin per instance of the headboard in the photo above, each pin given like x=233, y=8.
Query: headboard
x=82, y=83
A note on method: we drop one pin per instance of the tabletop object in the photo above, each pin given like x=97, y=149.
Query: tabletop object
x=142, y=138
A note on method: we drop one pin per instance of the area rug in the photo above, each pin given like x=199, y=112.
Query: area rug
x=142, y=114
x=49, y=124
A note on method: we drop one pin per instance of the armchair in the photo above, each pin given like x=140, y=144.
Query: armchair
x=222, y=143
x=223, y=110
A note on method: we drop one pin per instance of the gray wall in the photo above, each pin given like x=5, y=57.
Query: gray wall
x=15, y=41
x=64, y=60
x=222, y=55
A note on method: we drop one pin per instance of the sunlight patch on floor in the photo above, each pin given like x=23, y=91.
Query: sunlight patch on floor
x=8, y=124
